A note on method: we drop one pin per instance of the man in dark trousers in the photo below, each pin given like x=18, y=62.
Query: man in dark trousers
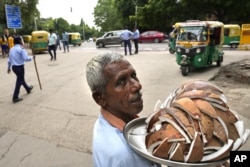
x=17, y=56
x=52, y=44
x=136, y=36
x=127, y=36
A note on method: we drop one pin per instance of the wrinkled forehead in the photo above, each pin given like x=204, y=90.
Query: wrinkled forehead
x=117, y=68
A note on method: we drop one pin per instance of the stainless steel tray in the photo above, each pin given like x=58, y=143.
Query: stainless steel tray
x=135, y=133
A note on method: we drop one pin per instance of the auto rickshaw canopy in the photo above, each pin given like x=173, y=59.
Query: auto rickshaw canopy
x=232, y=30
x=39, y=36
x=245, y=34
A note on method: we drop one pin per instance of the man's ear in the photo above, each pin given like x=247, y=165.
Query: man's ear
x=99, y=99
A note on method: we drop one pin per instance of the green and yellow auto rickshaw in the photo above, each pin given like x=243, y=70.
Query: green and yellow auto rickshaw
x=75, y=39
x=199, y=44
x=231, y=35
x=39, y=41
x=27, y=40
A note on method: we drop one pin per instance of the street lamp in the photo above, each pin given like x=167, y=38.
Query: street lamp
x=83, y=35
x=35, y=23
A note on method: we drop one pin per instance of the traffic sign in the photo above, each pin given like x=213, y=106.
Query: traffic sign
x=13, y=16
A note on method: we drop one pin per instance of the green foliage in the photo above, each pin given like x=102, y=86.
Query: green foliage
x=146, y=14
x=162, y=14
x=106, y=15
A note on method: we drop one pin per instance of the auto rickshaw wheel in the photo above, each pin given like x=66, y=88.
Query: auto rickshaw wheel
x=184, y=70
x=218, y=63
x=172, y=51
x=234, y=45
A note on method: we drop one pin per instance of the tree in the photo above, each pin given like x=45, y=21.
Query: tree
x=106, y=15
x=162, y=14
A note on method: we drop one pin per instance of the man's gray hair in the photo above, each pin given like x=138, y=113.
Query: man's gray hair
x=96, y=79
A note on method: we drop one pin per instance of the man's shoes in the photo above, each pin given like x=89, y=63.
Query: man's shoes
x=136, y=53
x=29, y=91
x=51, y=58
x=17, y=100
x=131, y=54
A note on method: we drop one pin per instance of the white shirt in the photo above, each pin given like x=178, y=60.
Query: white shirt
x=52, y=39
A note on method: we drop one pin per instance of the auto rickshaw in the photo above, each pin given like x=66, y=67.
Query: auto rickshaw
x=231, y=35
x=27, y=40
x=245, y=37
x=75, y=39
x=199, y=44
x=39, y=41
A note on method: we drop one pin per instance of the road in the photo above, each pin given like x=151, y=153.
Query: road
x=52, y=127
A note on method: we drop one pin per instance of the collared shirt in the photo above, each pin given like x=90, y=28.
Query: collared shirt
x=136, y=34
x=17, y=56
x=65, y=36
x=126, y=35
x=52, y=39
x=110, y=148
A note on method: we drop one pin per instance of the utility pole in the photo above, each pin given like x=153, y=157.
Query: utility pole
x=135, y=3
x=83, y=34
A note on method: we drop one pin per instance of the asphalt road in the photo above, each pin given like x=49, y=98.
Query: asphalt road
x=52, y=126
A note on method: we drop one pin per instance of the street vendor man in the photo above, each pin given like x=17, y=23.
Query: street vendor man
x=116, y=89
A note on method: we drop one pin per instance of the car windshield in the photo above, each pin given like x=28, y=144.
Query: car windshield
x=194, y=33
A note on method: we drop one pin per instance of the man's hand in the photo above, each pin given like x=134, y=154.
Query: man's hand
x=8, y=71
x=33, y=54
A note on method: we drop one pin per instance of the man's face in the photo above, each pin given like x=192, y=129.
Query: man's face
x=123, y=96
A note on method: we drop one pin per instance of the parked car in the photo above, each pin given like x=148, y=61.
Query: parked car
x=110, y=38
x=152, y=36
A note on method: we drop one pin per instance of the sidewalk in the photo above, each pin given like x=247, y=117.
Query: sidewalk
x=20, y=150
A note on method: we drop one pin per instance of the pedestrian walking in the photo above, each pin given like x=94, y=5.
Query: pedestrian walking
x=126, y=37
x=4, y=43
x=136, y=36
x=52, y=43
x=58, y=44
x=17, y=57
x=65, y=41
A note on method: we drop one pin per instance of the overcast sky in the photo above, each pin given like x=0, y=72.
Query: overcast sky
x=61, y=8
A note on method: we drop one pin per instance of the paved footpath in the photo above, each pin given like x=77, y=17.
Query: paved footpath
x=52, y=127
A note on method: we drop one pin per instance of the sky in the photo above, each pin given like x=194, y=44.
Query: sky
x=62, y=8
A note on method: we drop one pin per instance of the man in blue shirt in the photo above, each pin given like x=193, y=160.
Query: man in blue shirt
x=126, y=37
x=65, y=40
x=17, y=57
x=117, y=90
x=136, y=36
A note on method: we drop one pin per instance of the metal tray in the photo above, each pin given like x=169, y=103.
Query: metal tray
x=135, y=133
